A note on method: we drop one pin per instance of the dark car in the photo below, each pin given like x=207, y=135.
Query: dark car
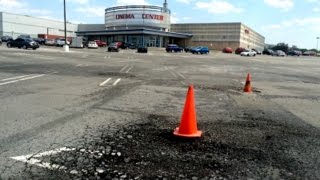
x=142, y=49
x=23, y=43
x=0, y=42
x=239, y=50
x=268, y=52
x=294, y=53
x=188, y=49
x=113, y=47
x=173, y=48
x=227, y=50
x=200, y=50
x=129, y=46
x=6, y=38
x=39, y=40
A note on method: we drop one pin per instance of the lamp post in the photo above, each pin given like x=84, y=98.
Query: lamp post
x=318, y=43
x=66, y=47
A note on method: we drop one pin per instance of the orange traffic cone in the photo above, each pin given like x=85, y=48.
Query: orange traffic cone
x=188, y=125
x=247, y=86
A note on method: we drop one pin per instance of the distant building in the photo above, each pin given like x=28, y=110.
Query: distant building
x=139, y=24
x=219, y=35
x=15, y=25
x=150, y=26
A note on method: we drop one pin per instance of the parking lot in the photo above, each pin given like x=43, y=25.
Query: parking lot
x=96, y=114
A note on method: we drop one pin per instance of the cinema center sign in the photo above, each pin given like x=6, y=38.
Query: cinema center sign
x=143, y=16
x=137, y=18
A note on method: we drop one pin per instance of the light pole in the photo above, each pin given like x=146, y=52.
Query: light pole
x=318, y=43
x=66, y=47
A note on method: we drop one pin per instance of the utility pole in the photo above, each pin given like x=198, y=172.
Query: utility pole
x=66, y=47
x=318, y=43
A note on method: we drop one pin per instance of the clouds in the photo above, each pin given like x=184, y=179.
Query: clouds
x=218, y=7
x=316, y=3
x=18, y=6
x=132, y=2
x=281, y=4
x=10, y=4
x=91, y=11
x=185, y=1
x=308, y=23
x=78, y=1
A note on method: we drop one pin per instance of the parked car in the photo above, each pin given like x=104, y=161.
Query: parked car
x=173, y=48
x=294, y=53
x=25, y=36
x=248, y=52
x=92, y=44
x=257, y=51
x=23, y=43
x=60, y=42
x=268, y=52
x=49, y=42
x=113, y=47
x=274, y=53
x=0, y=42
x=200, y=50
x=142, y=49
x=39, y=40
x=101, y=43
x=188, y=49
x=131, y=46
x=227, y=50
x=280, y=53
x=309, y=53
x=239, y=50
x=118, y=44
x=6, y=38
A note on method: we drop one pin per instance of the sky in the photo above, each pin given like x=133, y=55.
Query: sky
x=296, y=22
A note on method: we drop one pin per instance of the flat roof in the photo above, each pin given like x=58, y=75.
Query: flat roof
x=135, y=31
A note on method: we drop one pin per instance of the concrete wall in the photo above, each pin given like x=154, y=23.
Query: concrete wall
x=91, y=27
x=15, y=25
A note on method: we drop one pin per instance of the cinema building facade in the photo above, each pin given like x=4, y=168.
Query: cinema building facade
x=151, y=26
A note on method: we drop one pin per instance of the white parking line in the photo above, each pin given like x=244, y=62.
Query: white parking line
x=179, y=74
x=31, y=158
x=129, y=69
x=23, y=79
x=17, y=77
x=173, y=74
x=105, y=82
x=124, y=68
x=116, y=82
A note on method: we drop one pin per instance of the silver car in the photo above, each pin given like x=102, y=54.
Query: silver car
x=280, y=53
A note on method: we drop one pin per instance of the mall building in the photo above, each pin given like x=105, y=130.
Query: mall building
x=142, y=25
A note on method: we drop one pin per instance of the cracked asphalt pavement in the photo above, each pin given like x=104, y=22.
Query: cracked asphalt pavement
x=90, y=114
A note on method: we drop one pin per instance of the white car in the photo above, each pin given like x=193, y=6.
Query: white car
x=49, y=42
x=61, y=42
x=92, y=44
x=248, y=52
